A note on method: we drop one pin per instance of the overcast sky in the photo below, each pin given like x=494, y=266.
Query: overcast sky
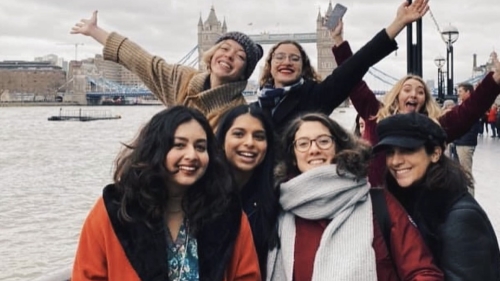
x=168, y=28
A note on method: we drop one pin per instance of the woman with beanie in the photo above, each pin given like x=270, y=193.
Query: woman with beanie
x=230, y=62
x=290, y=85
x=433, y=190
x=330, y=226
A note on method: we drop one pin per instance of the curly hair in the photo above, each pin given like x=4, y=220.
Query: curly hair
x=261, y=182
x=390, y=105
x=351, y=153
x=308, y=72
x=141, y=175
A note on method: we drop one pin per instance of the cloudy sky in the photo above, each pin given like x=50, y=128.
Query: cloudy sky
x=168, y=28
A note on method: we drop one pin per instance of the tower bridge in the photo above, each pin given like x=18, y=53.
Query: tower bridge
x=98, y=88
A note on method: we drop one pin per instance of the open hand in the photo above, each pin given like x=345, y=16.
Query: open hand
x=409, y=13
x=85, y=26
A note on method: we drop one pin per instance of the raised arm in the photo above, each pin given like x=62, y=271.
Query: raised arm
x=163, y=79
x=362, y=97
x=337, y=86
x=460, y=119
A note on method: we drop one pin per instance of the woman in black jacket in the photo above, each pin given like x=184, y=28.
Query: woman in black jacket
x=290, y=85
x=433, y=190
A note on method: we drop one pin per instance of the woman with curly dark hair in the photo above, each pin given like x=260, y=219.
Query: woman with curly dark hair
x=246, y=136
x=433, y=190
x=170, y=214
x=327, y=228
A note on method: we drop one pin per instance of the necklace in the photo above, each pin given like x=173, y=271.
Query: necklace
x=178, y=252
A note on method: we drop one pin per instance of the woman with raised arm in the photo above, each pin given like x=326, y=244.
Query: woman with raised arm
x=333, y=226
x=411, y=94
x=171, y=213
x=290, y=85
x=433, y=190
x=230, y=62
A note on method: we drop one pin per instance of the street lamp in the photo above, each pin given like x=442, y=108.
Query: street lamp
x=450, y=36
x=439, y=61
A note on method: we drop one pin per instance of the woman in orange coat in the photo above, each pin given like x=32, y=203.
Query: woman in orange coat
x=170, y=214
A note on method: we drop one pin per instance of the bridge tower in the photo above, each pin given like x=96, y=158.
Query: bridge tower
x=324, y=43
x=208, y=32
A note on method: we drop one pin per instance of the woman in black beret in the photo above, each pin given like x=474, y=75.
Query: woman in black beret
x=433, y=190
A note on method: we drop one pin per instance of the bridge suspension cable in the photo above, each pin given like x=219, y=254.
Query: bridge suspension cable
x=436, y=24
x=385, y=74
x=188, y=55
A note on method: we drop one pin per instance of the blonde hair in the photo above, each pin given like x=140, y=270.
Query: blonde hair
x=206, y=59
x=207, y=56
x=308, y=72
x=390, y=105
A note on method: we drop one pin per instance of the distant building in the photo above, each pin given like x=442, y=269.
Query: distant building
x=35, y=78
x=478, y=70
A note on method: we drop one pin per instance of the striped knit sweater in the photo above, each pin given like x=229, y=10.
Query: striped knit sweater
x=174, y=84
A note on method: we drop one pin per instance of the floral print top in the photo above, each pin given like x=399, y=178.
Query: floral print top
x=182, y=255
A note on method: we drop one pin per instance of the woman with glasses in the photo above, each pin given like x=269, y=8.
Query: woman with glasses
x=229, y=63
x=290, y=85
x=327, y=228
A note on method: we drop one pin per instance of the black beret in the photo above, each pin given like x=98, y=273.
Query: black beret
x=410, y=130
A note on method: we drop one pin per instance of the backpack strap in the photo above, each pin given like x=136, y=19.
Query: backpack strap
x=382, y=215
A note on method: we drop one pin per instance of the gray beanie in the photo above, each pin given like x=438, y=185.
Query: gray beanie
x=253, y=51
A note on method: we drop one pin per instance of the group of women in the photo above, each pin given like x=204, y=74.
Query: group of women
x=215, y=189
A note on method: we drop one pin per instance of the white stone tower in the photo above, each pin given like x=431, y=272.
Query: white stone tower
x=208, y=32
x=324, y=44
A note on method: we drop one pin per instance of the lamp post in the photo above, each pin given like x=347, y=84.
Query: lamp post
x=450, y=36
x=439, y=61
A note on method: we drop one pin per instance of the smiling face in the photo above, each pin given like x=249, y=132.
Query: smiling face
x=286, y=65
x=408, y=166
x=412, y=97
x=228, y=62
x=187, y=161
x=314, y=156
x=245, y=143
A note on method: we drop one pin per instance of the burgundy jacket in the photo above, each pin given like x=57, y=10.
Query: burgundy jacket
x=455, y=122
x=409, y=260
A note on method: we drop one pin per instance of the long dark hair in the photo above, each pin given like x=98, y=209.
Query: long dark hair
x=351, y=154
x=141, y=175
x=445, y=175
x=261, y=182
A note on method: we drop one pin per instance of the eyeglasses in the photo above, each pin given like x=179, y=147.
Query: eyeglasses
x=322, y=142
x=280, y=57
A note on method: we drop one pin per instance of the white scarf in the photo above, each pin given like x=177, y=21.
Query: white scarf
x=345, y=251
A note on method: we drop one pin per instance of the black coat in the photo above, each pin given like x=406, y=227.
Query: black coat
x=146, y=246
x=457, y=231
x=325, y=96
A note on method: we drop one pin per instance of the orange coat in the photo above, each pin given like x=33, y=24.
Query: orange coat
x=492, y=115
x=100, y=255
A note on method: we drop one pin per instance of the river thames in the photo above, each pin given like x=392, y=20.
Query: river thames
x=51, y=173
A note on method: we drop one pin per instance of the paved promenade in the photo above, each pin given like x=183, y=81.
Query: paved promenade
x=486, y=168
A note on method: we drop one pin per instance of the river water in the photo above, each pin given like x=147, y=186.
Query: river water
x=51, y=173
